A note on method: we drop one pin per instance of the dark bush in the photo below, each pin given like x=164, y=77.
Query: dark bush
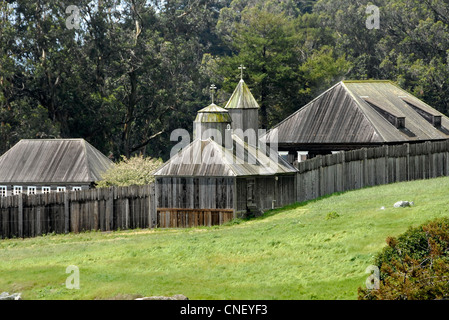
x=414, y=266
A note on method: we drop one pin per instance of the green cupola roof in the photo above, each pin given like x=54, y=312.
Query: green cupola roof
x=213, y=113
x=242, y=98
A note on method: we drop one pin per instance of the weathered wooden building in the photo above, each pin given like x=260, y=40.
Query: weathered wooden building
x=356, y=114
x=35, y=166
x=224, y=178
x=244, y=111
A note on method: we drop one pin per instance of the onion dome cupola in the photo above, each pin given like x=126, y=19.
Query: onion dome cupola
x=212, y=122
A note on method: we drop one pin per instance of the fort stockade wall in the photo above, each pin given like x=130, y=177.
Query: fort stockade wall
x=361, y=168
x=103, y=209
x=119, y=208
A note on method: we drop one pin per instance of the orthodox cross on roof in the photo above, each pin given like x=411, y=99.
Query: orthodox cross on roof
x=213, y=88
x=241, y=68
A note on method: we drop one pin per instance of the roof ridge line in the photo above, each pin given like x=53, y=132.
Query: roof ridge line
x=257, y=149
x=367, y=81
x=1, y=156
x=307, y=105
x=223, y=151
x=51, y=139
x=241, y=87
x=190, y=146
x=364, y=113
x=89, y=175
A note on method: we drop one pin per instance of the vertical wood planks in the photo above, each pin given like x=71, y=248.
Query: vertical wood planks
x=97, y=209
x=216, y=200
x=20, y=215
x=367, y=167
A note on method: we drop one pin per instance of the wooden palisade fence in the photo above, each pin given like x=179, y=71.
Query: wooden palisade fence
x=134, y=207
x=361, y=168
x=103, y=209
x=181, y=217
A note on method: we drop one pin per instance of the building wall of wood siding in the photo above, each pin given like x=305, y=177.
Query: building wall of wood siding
x=195, y=193
x=245, y=119
x=53, y=187
x=266, y=189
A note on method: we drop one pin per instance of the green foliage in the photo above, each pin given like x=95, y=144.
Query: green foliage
x=124, y=80
x=410, y=47
x=415, y=265
x=279, y=47
x=136, y=170
x=136, y=69
x=332, y=215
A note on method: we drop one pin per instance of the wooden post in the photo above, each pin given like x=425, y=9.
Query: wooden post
x=235, y=198
x=156, y=203
x=20, y=215
x=96, y=216
x=447, y=158
x=321, y=179
x=429, y=157
x=38, y=221
x=386, y=165
x=296, y=187
x=66, y=213
x=110, y=209
x=365, y=168
x=408, y=161
x=126, y=213
x=277, y=198
x=152, y=198
x=343, y=171
x=150, y=194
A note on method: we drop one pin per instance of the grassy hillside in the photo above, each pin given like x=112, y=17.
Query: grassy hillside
x=314, y=250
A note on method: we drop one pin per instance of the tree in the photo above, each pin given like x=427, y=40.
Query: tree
x=137, y=170
x=136, y=69
x=127, y=77
x=414, y=266
x=276, y=47
x=410, y=47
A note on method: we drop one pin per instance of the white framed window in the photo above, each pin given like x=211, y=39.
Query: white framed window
x=3, y=191
x=31, y=190
x=76, y=188
x=17, y=190
x=46, y=190
x=60, y=189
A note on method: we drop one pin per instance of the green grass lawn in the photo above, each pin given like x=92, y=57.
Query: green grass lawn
x=298, y=252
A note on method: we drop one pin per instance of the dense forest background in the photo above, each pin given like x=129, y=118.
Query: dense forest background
x=132, y=71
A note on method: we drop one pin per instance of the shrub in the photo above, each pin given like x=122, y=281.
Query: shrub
x=414, y=266
x=332, y=215
x=136, y=170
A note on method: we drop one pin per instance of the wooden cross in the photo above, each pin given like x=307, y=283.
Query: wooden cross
x=241, y=68
x=213, y=88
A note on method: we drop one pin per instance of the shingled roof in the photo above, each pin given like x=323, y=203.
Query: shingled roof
x=207, y=158
x=362, y=112
x=51, y=161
